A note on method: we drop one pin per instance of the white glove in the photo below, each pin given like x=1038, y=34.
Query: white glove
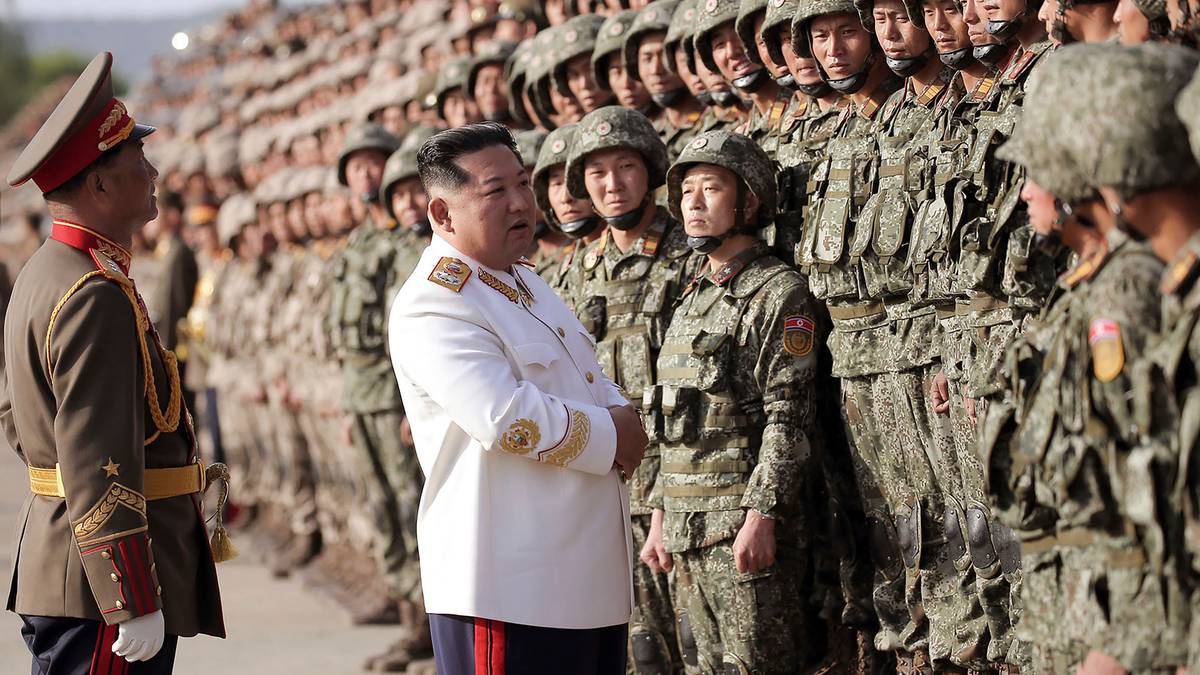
x=140, y=639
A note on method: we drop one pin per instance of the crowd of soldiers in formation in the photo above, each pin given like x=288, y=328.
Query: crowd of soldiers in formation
x=955, y=375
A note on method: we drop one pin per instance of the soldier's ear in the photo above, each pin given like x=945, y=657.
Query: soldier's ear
x=439, y=214
x=751, y=208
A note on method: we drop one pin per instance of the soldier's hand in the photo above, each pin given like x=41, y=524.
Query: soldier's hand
x=140, y=639
x=1099, y=663
x=969, y=404
x=754, y=547
x=653, y=553
x=406, y=436
x=939, y=392
x=631, y=438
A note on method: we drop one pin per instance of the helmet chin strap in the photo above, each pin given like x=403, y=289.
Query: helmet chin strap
x=578, y=229
x=957, y=59
x=906, y=67
x=630, y=220
x=989, y=55
x=706, y=99
x=851, y=84
x=1007, y=28
x=709, y=243
x=669, y=99
x=727, y=99
x=752, y=82
x=819, y=89
x=787, y=81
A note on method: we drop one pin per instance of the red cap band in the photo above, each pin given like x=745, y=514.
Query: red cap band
x=98, y=136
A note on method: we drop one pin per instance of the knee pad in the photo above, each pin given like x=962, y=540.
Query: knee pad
x=734, y=665
x=884, y=548
x=979, y=538
x=1008, y=547
x=687, y=641
x=648, y=650
x=956, y=544
x=908, y=532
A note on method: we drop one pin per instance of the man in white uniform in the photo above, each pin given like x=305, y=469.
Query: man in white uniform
x=523, y=526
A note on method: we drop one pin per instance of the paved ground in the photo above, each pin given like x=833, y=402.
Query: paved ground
x=276, y=627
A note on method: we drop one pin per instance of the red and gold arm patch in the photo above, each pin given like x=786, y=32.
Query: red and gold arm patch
x=1108, y=351
x=799, y=333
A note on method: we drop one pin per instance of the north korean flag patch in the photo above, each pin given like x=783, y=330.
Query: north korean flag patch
x=799, y=333
x=1108, y=350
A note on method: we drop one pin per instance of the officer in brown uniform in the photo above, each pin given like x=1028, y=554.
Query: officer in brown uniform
x=92, y=404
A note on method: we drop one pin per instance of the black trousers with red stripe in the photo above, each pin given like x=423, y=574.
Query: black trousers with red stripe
x=463, y=645
x=63, y=646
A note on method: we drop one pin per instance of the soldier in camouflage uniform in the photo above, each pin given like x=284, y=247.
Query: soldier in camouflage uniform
x=736, y=417
x=861, y=343
x=563, y=212
x=571, y=67
x=1065, y=469
x=719, y=48
x=515, y=71
x=623, y=287
x=487, y=86
x=550, y=105
x=367, y=274
x=608, y=64
x=646, y=59
x=1141, y=21
x=455, y=106
x=722, y=108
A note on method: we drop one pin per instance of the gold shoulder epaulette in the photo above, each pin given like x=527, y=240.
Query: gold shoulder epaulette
x=1082, y=271
x=450, y=273
x=109, y=268
x=1178, y=272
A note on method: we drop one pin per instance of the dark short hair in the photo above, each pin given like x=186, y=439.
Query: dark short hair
x=437, y=160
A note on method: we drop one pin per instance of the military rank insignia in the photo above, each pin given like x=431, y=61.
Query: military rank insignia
x=799, y=333
x=450, y=273
x=1108, y=353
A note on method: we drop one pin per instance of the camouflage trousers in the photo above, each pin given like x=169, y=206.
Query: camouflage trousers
x=1102, y=597
x=653, y=647
x=296, y=495
x=391, y=482
x=730, y=622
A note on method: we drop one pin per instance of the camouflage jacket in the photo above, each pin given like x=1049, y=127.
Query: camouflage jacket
x=676, y=138
x=1057, y=439
x=365, y=278
x=625, y=301
x=736, y=401
x=711, y=121
x=763, y=128
x=803, y=135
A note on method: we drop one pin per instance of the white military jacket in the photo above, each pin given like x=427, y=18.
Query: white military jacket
x=523, y=518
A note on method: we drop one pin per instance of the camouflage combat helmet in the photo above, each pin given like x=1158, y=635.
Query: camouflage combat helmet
x=578, y=38
x=369, y=136
x=1155, y=12
x=515, y=72
x=907, y=66
x=417, y=136
x=616, y=127
x=537, y=73
x=712, y=14
x=610, y=42
x=747, y=15
x=452, y=76
x=1130, y=141
x=653, y=18
x=401, y=166
x=811, y=9
x=1188, y=108
x=735, y=152
x=779, y=14
x=554, y=152
x=680, y=34
x=529, y=143
x=490, y=53
x=521, y=10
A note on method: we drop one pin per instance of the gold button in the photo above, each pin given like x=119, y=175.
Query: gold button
x=562, y=333
x=114, y=576
x=119, y=605
x=158, y=590
x=590, y=377
x=105, y=554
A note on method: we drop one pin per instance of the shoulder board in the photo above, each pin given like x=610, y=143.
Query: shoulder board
x=568, y=256
x=1183, y=269
x=692, y=118
x=527, y=263
x=450, y=273
x=1023, y=62
x=109, y=267
x=777, y=111
x=1084, y=270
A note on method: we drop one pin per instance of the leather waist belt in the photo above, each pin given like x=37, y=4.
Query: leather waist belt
x=159, y=483
x=845, y=312
x=1129, y=555
x=980, y=304
x=715, y=466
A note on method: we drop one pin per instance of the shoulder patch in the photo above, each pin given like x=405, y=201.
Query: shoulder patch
x=1180, y=271
x=109, y=267
x=799, y=334
x=1084, y=270
x=1108, y=352
x=450, y=273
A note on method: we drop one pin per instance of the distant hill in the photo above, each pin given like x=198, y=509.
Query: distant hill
x=133, y=42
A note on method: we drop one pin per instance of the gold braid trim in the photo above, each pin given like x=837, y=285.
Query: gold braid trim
x=579, y=430
x=54, y=316
x=165, y=421
x=99, y=514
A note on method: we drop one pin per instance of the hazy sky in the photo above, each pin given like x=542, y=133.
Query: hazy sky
x=81, y=9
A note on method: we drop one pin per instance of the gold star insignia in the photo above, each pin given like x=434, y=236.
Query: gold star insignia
x=111, y=469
